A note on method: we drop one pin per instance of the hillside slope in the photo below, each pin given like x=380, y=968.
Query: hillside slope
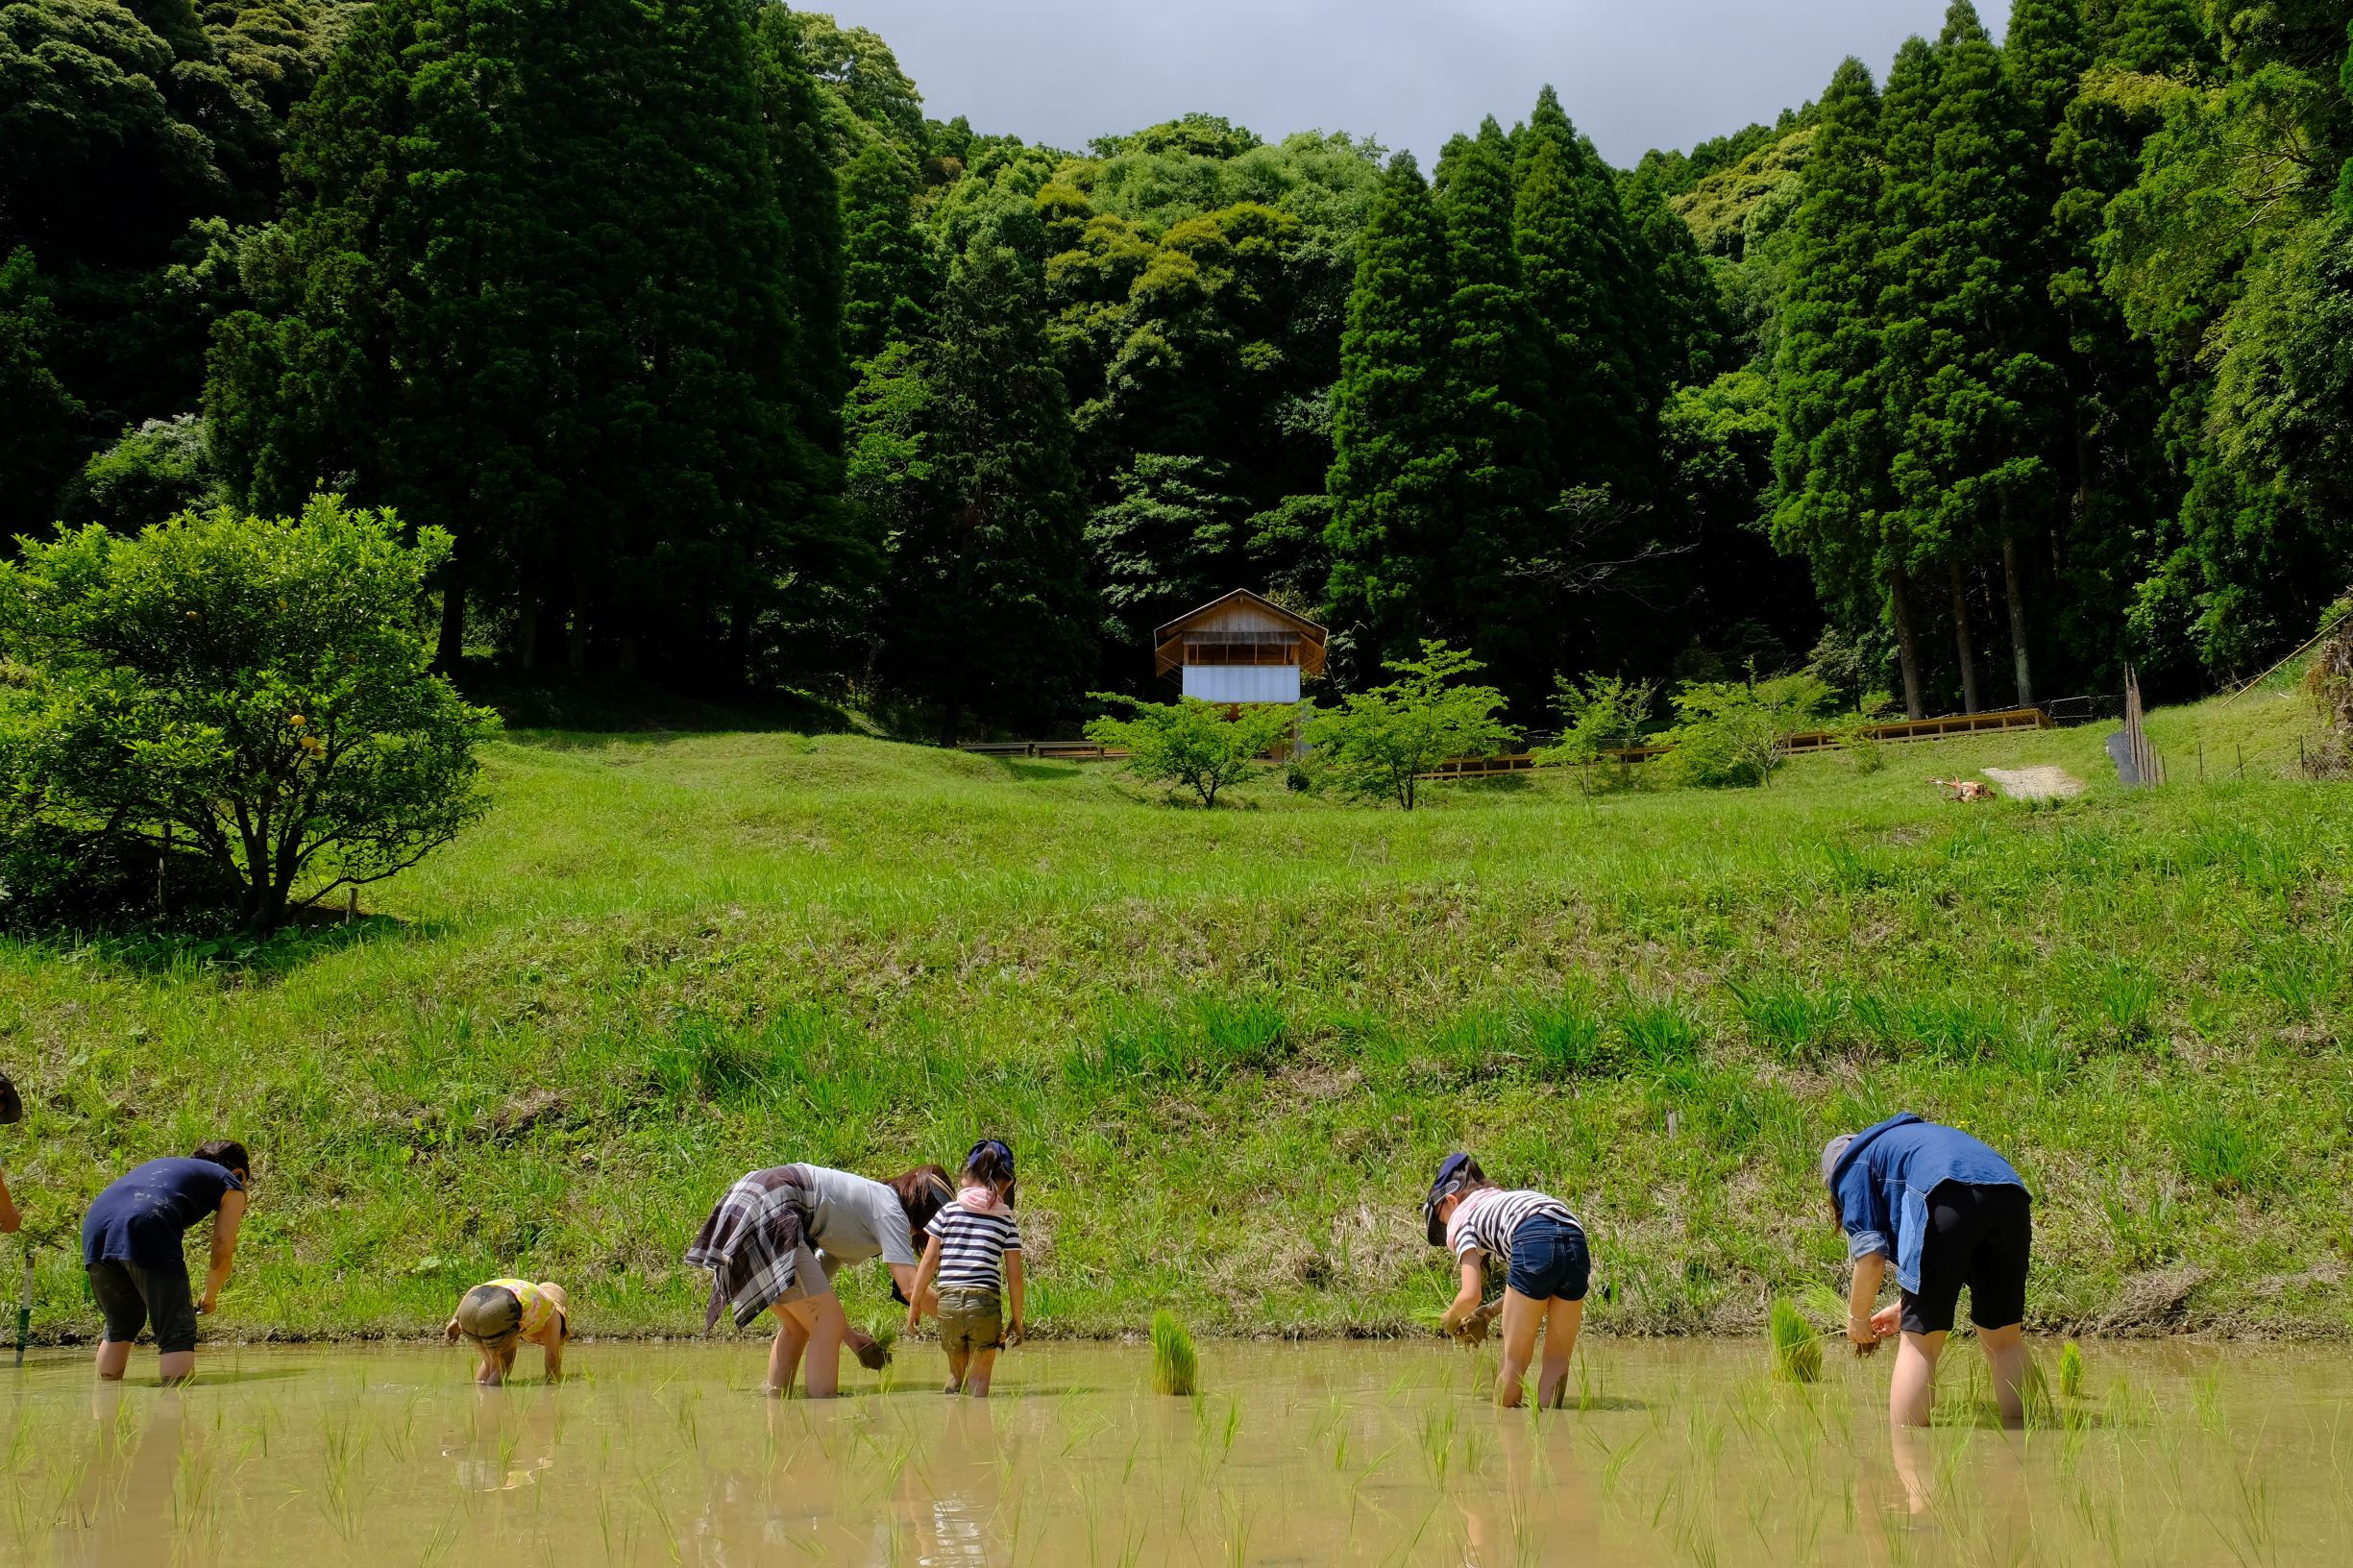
x=1231, y=1046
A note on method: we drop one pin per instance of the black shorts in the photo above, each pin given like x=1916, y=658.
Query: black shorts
x=131, y=1297
x=1979, y=1237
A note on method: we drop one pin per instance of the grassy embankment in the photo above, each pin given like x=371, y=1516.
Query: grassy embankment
x=1231, y=1046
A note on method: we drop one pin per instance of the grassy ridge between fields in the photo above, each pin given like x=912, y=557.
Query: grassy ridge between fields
x=1230, y=1047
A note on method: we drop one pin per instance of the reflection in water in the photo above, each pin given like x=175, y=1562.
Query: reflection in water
x=1343, y=1452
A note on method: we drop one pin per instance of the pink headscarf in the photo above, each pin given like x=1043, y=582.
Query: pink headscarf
x=983, y=1200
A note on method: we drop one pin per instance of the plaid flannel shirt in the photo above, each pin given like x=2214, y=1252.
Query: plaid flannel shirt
x=748, y=1241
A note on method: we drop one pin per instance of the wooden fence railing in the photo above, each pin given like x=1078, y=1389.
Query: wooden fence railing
x=1898, y=731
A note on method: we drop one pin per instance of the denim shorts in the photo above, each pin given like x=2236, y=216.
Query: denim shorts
x=1549, y=1262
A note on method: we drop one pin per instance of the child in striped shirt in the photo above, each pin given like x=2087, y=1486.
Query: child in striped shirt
x=974, y=1256
x=1542, y=1248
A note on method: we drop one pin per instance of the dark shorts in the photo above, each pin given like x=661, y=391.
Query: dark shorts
x=1549, y=1262
x=131, y=1297
x=1978, y=1237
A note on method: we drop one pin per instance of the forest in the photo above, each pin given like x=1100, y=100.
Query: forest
x=720, y=360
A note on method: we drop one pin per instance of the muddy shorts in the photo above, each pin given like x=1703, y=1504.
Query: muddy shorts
x=970, y=1320
x=1980, y=1237
x=131, y=1297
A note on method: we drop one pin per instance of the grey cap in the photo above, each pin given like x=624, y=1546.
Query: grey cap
x=1832, y=1153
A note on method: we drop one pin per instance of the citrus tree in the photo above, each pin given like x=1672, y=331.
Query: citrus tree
x=1384, y=740
x=255, y=692
x=1193, y=743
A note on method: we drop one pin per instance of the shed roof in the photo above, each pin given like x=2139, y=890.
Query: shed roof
x=1239, y=618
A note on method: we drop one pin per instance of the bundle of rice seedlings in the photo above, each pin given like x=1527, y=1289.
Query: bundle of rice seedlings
x=1796, y=1350
x=1175, y=1371
x=2070, y=1370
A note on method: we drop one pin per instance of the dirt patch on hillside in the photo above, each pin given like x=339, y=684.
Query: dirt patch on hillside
x=2036, y=783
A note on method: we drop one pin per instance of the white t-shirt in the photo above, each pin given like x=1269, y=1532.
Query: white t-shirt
x=856, y=1220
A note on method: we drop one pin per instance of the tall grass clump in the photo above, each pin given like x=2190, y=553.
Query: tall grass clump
x=2070, y=1370
x=1175, y=1369
x=1796, y=1350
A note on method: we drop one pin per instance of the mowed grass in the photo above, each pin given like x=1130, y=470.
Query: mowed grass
x=1229, y=1047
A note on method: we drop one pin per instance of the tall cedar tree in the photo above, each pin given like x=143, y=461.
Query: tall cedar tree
x=1392, y=472
x=1575, y=260
x=1973, y=457
x=888, y=276
x=1495, y=399
x=1832, y=451
x=985, y=606
x=1909, y=299
x=534, y=285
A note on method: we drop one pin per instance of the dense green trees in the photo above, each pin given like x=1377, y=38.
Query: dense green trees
x=2070, y=343
x=718, y=357
x=543, y=286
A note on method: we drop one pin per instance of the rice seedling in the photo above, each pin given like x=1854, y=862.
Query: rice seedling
x=2070, y=1370
x=1175, y=1368
x=1797, y=1349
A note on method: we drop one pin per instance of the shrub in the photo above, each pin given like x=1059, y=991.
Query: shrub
x=1597, y=714
x=1381, y=741
x=1193, y=743
x=1735, y=733
x=257, y=692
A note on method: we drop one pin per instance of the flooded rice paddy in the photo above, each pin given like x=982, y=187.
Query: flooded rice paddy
x=1363, y=1452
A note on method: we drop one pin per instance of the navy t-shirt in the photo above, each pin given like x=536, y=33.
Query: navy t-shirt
x=143, y=1216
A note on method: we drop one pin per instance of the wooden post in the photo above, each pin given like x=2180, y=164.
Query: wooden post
x=351, y=904
x=163, y=857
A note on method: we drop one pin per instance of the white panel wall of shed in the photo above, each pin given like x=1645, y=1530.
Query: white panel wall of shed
x=1242, y=682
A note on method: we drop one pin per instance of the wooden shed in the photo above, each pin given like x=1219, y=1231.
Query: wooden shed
x=1240, y=647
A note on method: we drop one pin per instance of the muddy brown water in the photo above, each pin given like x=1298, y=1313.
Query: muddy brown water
x=1358, y=1453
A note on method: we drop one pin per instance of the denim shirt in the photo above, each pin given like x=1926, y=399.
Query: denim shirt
x=1883, y=1180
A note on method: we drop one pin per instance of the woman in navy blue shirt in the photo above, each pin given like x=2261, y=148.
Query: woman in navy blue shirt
x=1950, y=1213
x=130, y=1244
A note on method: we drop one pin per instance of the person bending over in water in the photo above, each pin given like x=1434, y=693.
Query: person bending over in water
x=1540, y=1246
x=1951, y=1213
x=12, y=1109
x=131, y=1241
x=778, y=1236
x=498, y=1317
x=975, y=1254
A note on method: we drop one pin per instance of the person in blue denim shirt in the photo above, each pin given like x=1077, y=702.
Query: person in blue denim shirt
x=1950, y=1213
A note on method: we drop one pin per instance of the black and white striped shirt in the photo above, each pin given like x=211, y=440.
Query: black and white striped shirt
x=973, y=1248
x=1487, y=1218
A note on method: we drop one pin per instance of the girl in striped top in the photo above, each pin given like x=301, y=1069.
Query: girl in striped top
x=975, y=1256
x=1540, y=1247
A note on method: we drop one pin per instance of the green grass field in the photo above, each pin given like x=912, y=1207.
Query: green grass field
x=1230, y=1047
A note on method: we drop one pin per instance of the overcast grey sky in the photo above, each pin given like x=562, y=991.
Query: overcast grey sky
x=1633, y=74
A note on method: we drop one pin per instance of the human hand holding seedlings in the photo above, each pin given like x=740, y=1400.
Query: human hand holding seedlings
x=1465, y=1319
x=1865, y=1327
x=916, y=1292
